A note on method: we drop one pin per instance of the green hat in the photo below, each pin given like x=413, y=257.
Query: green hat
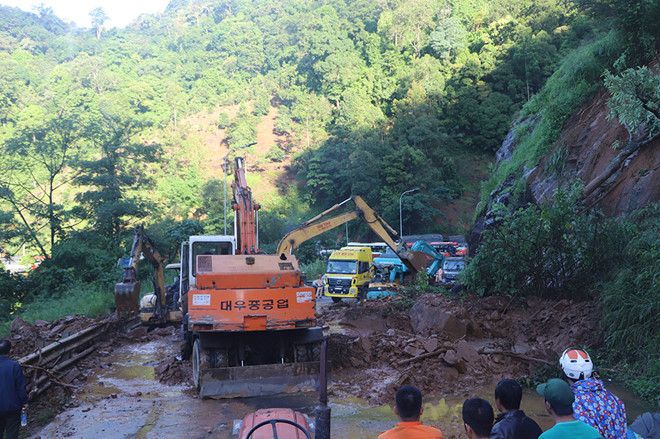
x=557, y=392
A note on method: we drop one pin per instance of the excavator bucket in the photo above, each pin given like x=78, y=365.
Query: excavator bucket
x=259, y=380
x=127, y=299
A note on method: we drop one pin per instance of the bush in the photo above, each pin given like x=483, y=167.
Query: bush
x=631, y=302
x=275, y=154
x=223, y=120
x=13, y=288
x=551, y=250
x=647, y=383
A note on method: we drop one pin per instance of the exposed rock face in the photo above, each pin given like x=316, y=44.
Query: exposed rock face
x=589, y=139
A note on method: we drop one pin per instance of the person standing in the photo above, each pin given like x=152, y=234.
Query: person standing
x=319, y=284
x=477, y=418
x=512, y=423
x=409, y=409
x=559, y=399
x=594, y=404
x=13, y=396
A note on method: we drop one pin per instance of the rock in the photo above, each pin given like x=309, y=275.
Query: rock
x=424, y=319
x=431, y=344
x=451, y=358
x=449, y=374
x=355, y=362
x=413, y=351
x=18, y=324
x=366, y=345
x=466, y=352
x=402, y=380
x=366, y=325
x=140, y=331
x=71, y=376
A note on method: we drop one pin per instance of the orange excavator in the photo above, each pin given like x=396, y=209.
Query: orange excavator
x=249, y=321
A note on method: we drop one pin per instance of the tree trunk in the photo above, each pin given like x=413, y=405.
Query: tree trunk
x=615, y=164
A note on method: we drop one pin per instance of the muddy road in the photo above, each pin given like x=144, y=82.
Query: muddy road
x=135, y=386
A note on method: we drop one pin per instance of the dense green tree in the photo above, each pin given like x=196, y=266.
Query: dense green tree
x=639, y=21
x=98, y=18
x=115, y=183
x=448, y=38
x=37, y=164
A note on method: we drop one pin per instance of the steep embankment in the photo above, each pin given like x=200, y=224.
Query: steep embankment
x=586, y=146
x=588, y=141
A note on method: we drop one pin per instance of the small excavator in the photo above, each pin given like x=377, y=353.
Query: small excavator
x=161, y=306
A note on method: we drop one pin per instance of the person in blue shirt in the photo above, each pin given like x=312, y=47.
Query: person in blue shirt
x=559, y=399
x=13, y=396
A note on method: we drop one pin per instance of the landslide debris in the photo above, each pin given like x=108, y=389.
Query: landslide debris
x=443, y=345
x=447, y=346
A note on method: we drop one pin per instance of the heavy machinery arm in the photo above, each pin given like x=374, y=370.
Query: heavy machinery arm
x=245, y=208
x=250, y=320
x=127, y=292
x=415, y=261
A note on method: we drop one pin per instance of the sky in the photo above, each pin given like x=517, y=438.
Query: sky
x=120, y=12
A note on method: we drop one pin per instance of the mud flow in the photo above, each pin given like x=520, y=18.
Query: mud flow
x=135, y=385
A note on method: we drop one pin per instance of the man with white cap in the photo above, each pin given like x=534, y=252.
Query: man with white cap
x=593, y=404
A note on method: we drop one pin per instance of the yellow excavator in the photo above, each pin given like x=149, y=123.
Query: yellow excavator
x=159, y=307
x=415, y=261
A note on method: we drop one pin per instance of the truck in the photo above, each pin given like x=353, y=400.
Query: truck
x=348, y=273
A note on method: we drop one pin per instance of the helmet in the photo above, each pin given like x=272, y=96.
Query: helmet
x=576, y=364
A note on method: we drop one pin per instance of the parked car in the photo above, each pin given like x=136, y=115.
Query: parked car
x=451, y=268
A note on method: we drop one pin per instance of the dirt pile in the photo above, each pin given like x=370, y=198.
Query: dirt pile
x=445, y=346
x=27, y=338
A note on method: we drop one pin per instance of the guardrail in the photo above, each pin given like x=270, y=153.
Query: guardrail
x=52, y=364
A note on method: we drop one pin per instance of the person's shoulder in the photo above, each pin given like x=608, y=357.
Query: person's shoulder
x=433, y=431
x=588, y=428
x=6, y=360
x=576, y=428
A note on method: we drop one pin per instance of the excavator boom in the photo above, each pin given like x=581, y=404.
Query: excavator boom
x=415, y=261
x=245, y=209
x=127, y=292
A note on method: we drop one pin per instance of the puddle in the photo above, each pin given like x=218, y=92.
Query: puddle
x=125, y=400
x=131, y=371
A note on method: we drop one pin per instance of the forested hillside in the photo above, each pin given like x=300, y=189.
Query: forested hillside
x=104, y=129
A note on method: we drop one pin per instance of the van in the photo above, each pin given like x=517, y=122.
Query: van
x=451, y=269
x=348, y=273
